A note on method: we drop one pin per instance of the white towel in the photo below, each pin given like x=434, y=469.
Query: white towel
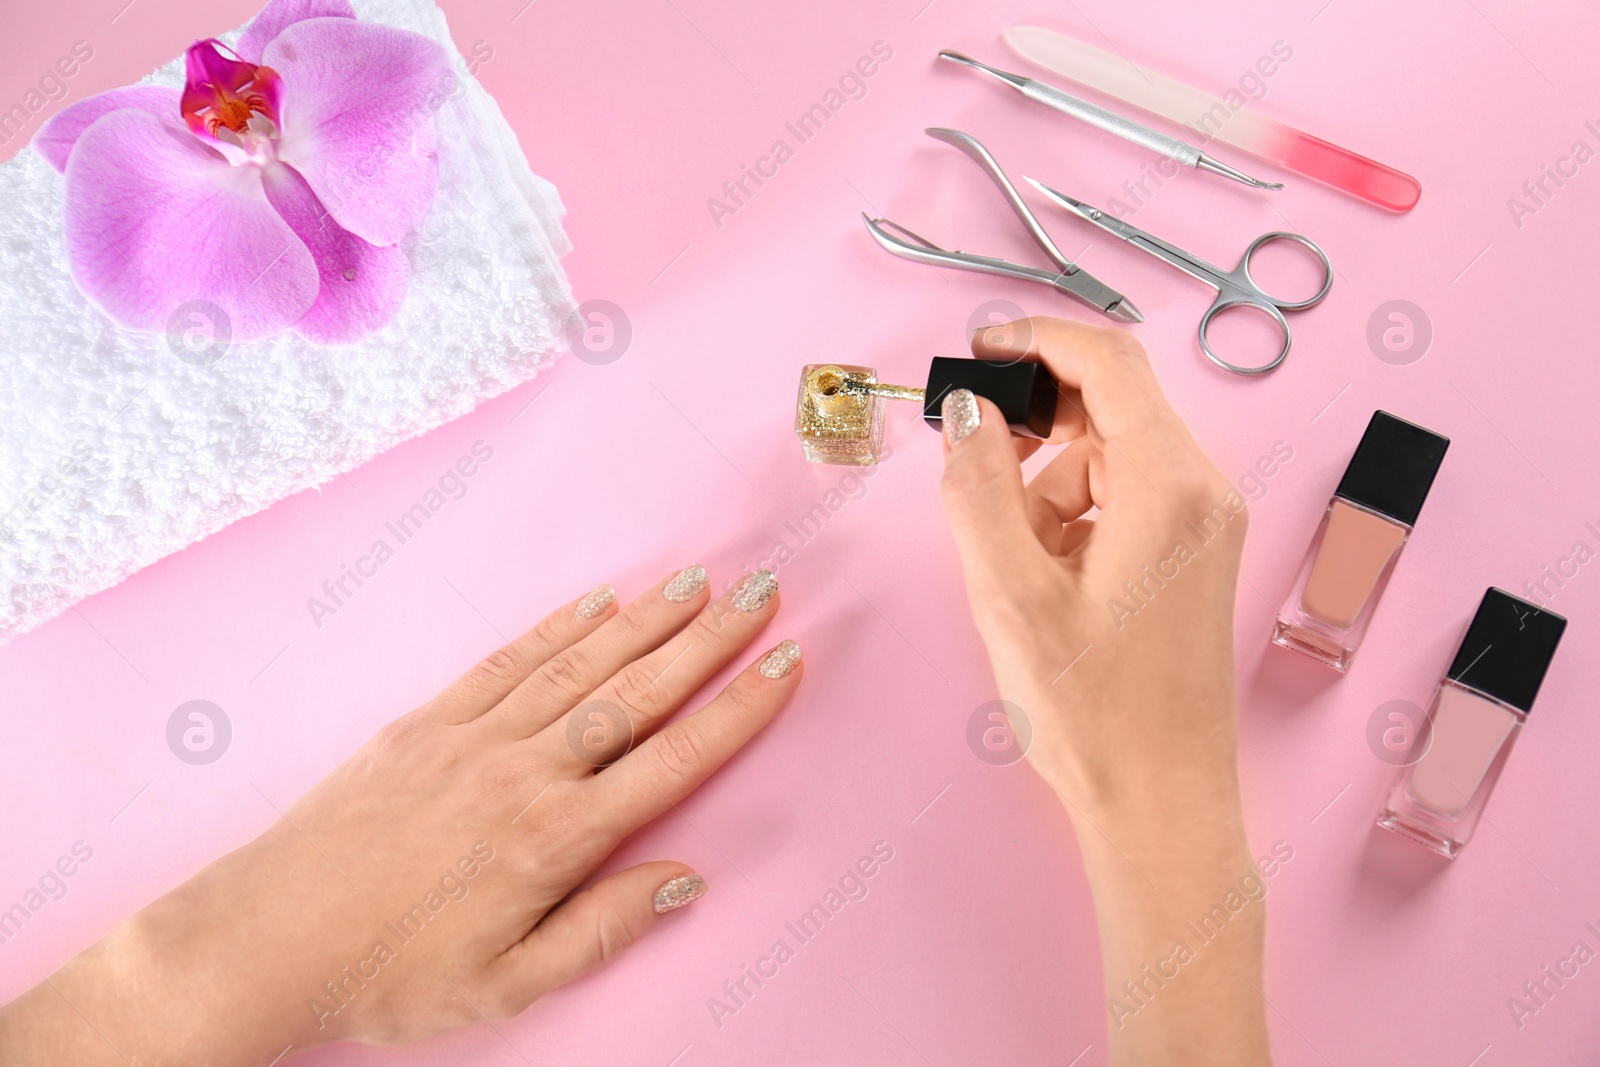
x=114, y=452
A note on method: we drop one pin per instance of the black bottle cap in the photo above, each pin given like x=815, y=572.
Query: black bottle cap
x=1507, y=649
x=1024, y=391
x=1393, y=467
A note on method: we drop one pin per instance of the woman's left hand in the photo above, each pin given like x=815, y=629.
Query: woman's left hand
x=429, y=881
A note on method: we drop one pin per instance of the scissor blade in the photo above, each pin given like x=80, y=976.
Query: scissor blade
x=1147, y=242
x=1087, y=211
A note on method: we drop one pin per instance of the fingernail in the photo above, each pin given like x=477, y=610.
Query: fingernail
x=686, y=585
x=596, y=602
x=755, y=591
x=678, y=892
x=781, y=660
x=959, y=414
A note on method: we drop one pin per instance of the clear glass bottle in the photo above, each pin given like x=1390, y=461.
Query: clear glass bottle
x=835, y=423
x=1475, y=719
x=1359, y=540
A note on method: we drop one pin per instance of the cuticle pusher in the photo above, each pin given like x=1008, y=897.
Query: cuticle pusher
x=1172, y=147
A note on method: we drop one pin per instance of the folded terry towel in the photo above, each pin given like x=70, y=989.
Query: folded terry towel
x=114, y=452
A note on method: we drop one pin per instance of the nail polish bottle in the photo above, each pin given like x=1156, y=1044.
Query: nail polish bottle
x=836, y=416
x=1477, y=713
x=839, y=412
x=1360, y=538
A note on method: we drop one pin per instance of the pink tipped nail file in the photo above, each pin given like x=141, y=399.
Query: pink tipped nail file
x=1262, y=137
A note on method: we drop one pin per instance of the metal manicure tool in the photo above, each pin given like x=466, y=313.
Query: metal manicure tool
x=1235, y=288
x=1126, y=128
x=1068, y=278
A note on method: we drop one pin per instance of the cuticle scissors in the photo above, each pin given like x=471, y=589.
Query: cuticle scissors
x=1235, y=288
x=1068, y=278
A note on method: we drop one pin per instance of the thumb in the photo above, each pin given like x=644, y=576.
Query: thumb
x=590, y=927
x=984, y=498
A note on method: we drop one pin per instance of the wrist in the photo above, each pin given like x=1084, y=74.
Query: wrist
x=1158, y=808
x=238, y=939
x=1158, y=851
x=199, y=975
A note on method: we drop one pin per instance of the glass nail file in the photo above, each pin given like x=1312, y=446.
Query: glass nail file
x=1244, y=129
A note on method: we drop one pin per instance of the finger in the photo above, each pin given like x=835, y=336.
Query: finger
x=673, y=762
x=570, y=675
x=1072, y=419
x=591, y=927
x=501, y=671
x=1106, y=377
x=1026, y=446
x=982, y=488
x=1062, y=491
x=1046, y=527
x=1059, y=494
x=1015, y=340
x=1074, y=535
x=631, y=703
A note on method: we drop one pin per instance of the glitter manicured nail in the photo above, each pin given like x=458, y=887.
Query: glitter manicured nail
x=686, y=585
x=678, y=892
x=755, y=591
x=596, y=602
x=781, y=660
x=960, y=415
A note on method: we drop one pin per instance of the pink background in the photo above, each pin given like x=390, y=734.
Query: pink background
x=976, y=944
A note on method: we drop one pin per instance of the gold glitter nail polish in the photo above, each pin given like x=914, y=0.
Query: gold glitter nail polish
x=679, y=891
x=780, y=661
x=961, y=415
x=839, y=412
x=754, y=592
x=836, y=416
x=685, y=584
x=596, y=602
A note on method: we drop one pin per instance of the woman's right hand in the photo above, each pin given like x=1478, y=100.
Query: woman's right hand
x=1114, y=633
x=1114, y=636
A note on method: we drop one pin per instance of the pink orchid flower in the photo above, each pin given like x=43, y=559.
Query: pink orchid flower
x=274, y=188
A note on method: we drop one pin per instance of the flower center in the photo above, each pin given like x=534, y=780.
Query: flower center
x=231, y=101
x=234, y=114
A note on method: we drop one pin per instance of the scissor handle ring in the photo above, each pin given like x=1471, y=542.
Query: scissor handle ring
x=1270, y=310
x=1301, y=239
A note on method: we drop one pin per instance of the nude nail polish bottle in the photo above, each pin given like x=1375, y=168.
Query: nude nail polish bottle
x=1359, y=540
x=1477, y=713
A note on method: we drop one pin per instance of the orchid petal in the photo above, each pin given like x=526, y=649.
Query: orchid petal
x=156, y=220
x=357, y=122
x=56, y=137
x=278, y=15
x=206, y=64
x=363, y=285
